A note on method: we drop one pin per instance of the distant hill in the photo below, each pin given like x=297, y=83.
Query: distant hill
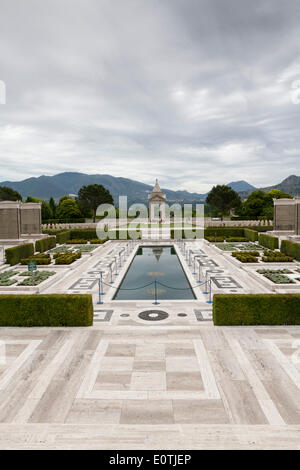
x=241, y=186
x=44, y=187
x=290, y=185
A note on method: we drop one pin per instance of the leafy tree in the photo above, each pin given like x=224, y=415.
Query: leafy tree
x=90, y=197
x=64, y=198
x=68, y=209
x=258, y=204
x=33, y=199
x=223, y=198
x=277, y=194
x=52, y=205
x=9, y=194
x=46, y=211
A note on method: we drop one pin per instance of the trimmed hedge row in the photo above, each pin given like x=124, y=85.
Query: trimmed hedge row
x=45, y=244
x=256, y=309
x=63, y=237
x=46, y=310
x=15, y=254
x=251, y=235
x=268, y=241
x=224, y=231
x=66, y=258
x=290, y=249
x=83, y=234
x=63, y=221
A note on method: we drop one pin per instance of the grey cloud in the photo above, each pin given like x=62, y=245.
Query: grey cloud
x=196, y=92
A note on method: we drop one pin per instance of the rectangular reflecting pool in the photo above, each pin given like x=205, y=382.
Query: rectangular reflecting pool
x=155, y=263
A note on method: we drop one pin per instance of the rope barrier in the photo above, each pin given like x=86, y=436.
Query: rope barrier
x=133, y=288
x=181, y=288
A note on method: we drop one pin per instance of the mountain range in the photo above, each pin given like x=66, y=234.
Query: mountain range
x=44, y=187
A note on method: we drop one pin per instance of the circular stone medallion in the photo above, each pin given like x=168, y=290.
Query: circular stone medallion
x=153, y=315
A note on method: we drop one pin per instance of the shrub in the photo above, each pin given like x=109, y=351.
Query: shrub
x=256, y=309
x=276, y=257
x=64, y=221
x=98, y=241
x=83, y=234
x=45, y=244
x=224, y=232
x=46, y=310
x=268, y=241
x=245, y=257
x=38, y=260
x=236, y=239
x=291, y=249
x=251, y=235
x=63, y=237
x=76, y=242
x=67, y=258
x=250, y=253
x=214, y=239
x=15, y=254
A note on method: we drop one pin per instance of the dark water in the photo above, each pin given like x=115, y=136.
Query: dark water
x=152, y=263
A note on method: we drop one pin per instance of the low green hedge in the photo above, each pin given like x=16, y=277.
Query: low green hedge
x=224, y=231
x=290, y=249
x=37, y=260
x=46, y=310
x=75, y=241
x=268, y=241
x=256, y=309
x=63, y=237
x=236, y=239
x=83, y=234
x=251, y=235
x=214, y=239
x=98, y=241
x=63, y=221
x=15, y=254
x=67, y=258
x=45, y=244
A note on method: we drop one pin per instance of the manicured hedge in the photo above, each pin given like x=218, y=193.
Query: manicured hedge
x=63, y=237
x=46, y=310
x=15, y=254
x=37, y=260
x=64, y=221
x=250, y=234
x=45, y=244
x=85, y=234
x=256, y=309
x=290, y=249
x=224, y=231
x=268, y=241
x=66, y=258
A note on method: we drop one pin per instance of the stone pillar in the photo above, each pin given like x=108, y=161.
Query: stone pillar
x=31, y=218
x=10, y=225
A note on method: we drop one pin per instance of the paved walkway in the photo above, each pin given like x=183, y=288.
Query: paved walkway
x=136, y=384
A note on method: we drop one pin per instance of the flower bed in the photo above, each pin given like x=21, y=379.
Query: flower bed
x=5, y=278
x=248, y=246
x=277, y=276
x=36, y=278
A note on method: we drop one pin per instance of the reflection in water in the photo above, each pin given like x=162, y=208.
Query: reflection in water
x=170, y=273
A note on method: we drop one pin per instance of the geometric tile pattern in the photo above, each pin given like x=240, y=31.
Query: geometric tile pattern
x=102, y=315
x=150, y=386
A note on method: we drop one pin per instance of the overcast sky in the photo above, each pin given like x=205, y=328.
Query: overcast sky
x=194, y=92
